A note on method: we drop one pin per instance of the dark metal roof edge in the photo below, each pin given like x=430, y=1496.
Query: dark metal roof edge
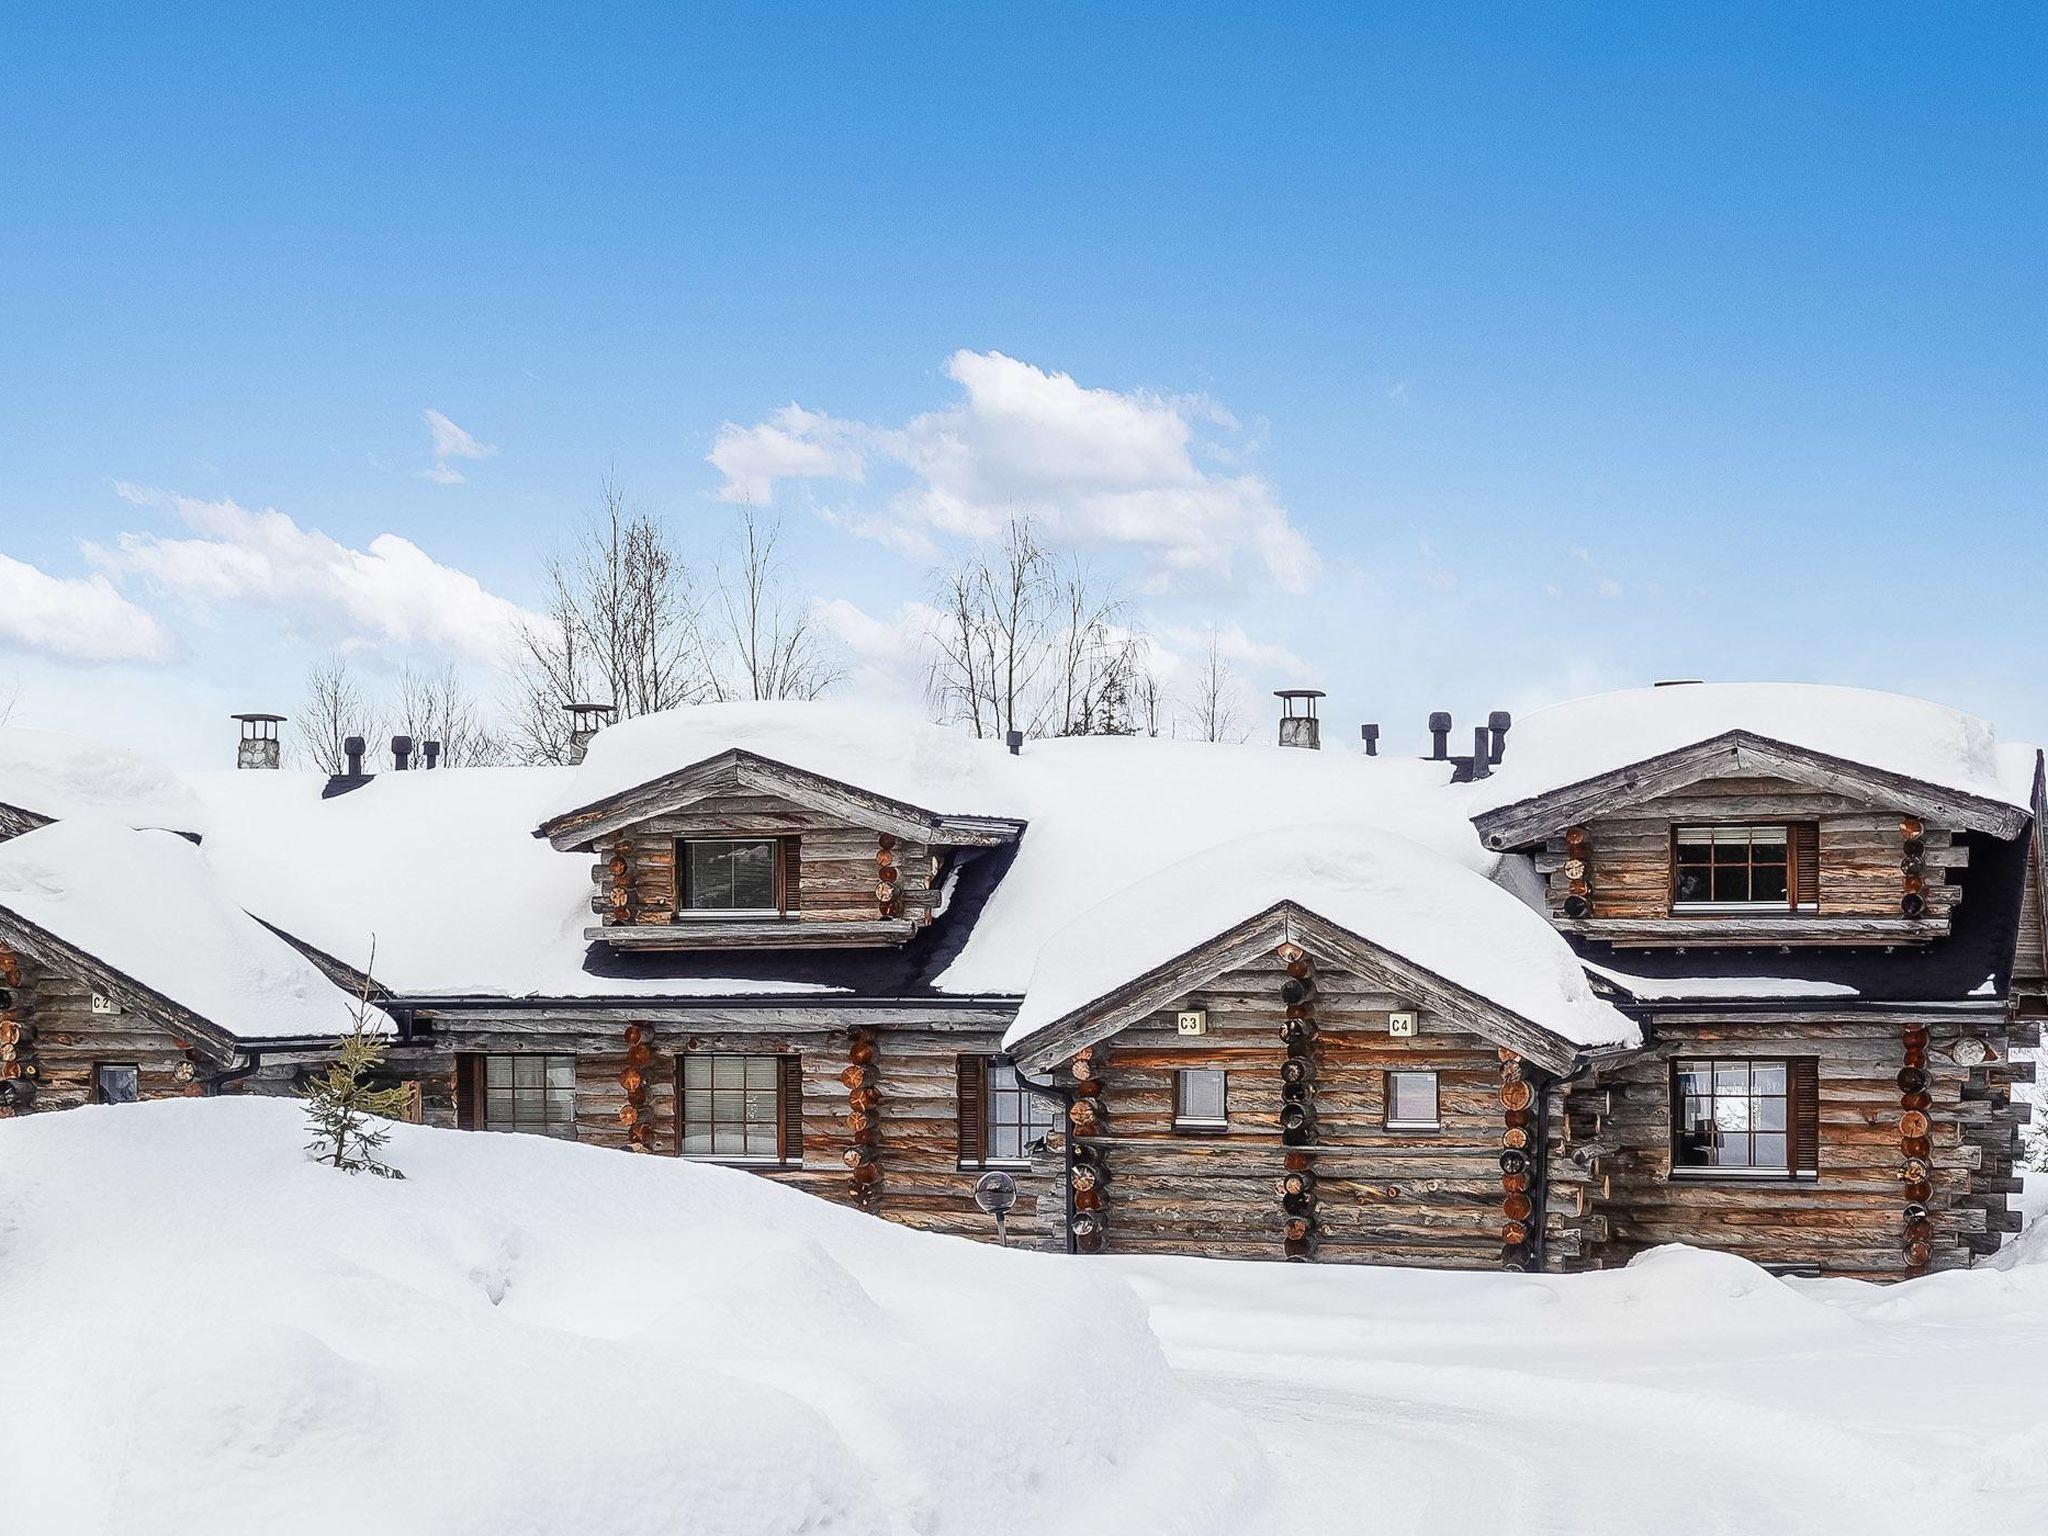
x=1819, y=1007
x=619, y=1002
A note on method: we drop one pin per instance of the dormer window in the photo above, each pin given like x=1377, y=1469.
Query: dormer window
x=1745, y=868
x=735, y=876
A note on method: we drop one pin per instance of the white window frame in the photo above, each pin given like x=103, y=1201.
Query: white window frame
x=1182, y=1121
x=1436, y=1098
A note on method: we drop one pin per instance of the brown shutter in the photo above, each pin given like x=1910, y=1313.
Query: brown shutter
x=789, y=871
x=1803, y=1075
x=790, y=1102
x=971, y=1087
x=1805, y=838
x=469, y=1091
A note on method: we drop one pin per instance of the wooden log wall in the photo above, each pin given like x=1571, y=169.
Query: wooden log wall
x=1950, y=1159
x=843, y=872
x=910, y=1125
x=1622, y=863
x=50, y=1035
x=1380, y=1196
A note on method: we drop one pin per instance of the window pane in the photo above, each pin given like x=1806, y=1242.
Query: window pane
x=753, y=874
x=1732, y=1114
x=561, y=1072
x=1767, y=1077
x=1766, y=843
x=1695, y=1077
x=1731, y=1077
x=1201, y=1093
x=1412, y=1097
x=1693, y=885
x=1770, y=1114
x=697, y=1139
x=1768, y=1152
x=1731, y=882
x=710, y=877
x=1767, y=883
x=497, y=1071
x=730, y=874
x=1733, y=1152
x=1692, y=850
x=728, y=1072
x=119, y=1084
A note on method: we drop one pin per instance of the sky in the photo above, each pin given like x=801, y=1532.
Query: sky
x=1439, y=356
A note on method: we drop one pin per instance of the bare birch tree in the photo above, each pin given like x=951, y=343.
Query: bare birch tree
x=336, y=707
x=1216, y=708
x=621, y=629
x=768, y=648
x=438, y=706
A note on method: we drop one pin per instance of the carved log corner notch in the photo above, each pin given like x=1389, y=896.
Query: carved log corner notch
x=863, y=1156
x=633, y=1081
x=17, y=1038
x=1090, y=1167
x=1916, y=1145
x=1578, y=873
x=1517, y=1166
x=1298, y=1102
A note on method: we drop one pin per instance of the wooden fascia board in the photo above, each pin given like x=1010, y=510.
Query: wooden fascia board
x=60, y=954
x=1289, y=922
x=1735, y=752
x=740, y=769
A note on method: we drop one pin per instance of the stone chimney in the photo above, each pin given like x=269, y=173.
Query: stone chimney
x=259, y=746
x=585, y=721
x=1298, y=724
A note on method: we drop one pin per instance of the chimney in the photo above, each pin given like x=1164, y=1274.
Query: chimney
x=431, y=750
x=1371, y=733
x=1497, y=723
x=1298, y=724
x=1482, y=757
x=258, y=747
x=401, y=753
x=1439, y=735
x=1014, y=740
x=585, y=721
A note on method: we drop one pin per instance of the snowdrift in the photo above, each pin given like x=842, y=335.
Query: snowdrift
x=209, y=1333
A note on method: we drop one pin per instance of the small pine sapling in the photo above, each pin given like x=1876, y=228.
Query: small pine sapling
x=343, y=1110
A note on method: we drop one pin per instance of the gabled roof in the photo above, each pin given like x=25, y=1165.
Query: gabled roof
x=1367, y=900
x=138, y=914
x=1614, y=749
x=738, y=768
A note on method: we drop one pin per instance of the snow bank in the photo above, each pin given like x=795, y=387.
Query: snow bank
x=144, y=904
x=1567, y=743
x=1386, y=889
x=209, y=1333
x=55, y=774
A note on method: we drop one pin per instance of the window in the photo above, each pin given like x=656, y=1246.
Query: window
x=1201, y=1099
x=999, y=1117
x=1411, y=1102
x=742, y=1109
x=1744, y=1115
x=116, y=1083
x=530, y=1092
x=732, y=874
x=1745, y=866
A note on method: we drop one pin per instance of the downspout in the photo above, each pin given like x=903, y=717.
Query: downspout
x=1540, y=1179
x=1064, y=1098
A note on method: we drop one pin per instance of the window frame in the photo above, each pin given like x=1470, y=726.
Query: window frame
x=545, y=1058
x=1436, y=1097
x=1200, y=1125
x=976, y=1149
x=98, y=1092
x=1795, y=901
x=782, y=855
x=784, y=1156
x=1802, y=1074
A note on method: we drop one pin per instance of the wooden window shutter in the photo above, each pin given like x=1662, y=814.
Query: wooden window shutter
x=789, y=1089
x=1805, y=840
x=1803, y=1075
x=971, y=1086
x=469, y=1091
x=789, y=870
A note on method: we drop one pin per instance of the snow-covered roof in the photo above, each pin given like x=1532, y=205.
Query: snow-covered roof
x=1431, y=910
x=54, y=774
x=145, y=905
x=1566, y=744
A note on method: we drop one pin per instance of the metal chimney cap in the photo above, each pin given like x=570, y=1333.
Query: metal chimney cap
x=259, y=715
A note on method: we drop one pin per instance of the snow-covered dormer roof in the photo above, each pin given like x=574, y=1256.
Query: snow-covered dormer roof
x=51, y=775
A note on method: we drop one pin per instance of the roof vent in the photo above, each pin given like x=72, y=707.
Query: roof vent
x=1497, y=725
x=401, y=753
x=1370, y=734
x=1298, y=724
x=1439, y=735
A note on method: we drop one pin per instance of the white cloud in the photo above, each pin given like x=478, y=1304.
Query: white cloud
x=1097, y=466
x=451, y=443
x=392, y=593
x=77, y=618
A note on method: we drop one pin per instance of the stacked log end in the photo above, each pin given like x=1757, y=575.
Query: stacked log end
x=887, y=899
x=863, y=1116
x=633, y=1113
x=1916, y=1146
x=185, y=1073
x=1912, y=867
x=17, y=1033
x=1517, y=1165
x=1578, y=873
x=1298, y=1032
x=624, y=910
x=1091, y=1168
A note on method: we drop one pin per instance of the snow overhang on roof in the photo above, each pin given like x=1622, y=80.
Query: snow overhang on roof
x=52, y=775
x=1578, y=759
x=140, y=913
x=1356, y=895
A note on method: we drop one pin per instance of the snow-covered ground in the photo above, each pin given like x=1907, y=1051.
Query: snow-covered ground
x=208, y=1334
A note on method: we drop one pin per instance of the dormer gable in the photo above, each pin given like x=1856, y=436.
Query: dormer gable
x=742, y=851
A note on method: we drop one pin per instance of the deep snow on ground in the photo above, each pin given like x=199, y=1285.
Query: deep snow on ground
x=209, y=1334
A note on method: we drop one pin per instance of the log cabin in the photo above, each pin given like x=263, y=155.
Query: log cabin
x=1752, y=967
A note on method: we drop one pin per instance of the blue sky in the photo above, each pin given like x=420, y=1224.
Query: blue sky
x=1560, y=348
